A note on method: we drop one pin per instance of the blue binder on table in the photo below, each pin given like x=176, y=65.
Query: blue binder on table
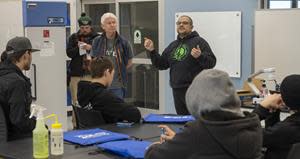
x=126, y=148
x=163, y=118
x=92, y=136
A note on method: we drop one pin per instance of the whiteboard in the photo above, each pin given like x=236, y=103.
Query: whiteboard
x=277, y=41
x=222, y=30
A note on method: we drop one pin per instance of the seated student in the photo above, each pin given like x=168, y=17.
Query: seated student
x=15, y=91
x=279, y=137
x=96, y=94
x=221, y=130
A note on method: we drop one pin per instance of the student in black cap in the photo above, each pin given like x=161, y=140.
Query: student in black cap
x=279, y=137
x=78, y=49
x=15, y=87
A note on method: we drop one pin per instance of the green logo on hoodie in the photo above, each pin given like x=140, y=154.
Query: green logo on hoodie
x=180, y=52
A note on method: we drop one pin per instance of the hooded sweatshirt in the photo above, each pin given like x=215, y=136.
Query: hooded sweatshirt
x=112, y=108
x=183, y=66
x=279, y=136
x=15, y=99
x=216, y=135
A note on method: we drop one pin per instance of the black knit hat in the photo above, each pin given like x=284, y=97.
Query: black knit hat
x=84, y=20
x=290, y=91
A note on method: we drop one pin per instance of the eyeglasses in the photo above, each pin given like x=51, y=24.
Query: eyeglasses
x=183, y=23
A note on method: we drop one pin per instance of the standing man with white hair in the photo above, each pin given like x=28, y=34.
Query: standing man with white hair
x=118, y=49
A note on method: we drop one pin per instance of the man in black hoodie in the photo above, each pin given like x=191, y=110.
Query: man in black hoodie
x=279, y=136
x=95, y=94
x=78, y=49
x=186, y=57
x=15, y=87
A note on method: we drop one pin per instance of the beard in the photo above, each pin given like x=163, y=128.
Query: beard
x=184, y=34
x=27, y=66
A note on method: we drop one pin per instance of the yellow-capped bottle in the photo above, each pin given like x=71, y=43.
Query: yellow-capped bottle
x=56, y=137
x=40, y=135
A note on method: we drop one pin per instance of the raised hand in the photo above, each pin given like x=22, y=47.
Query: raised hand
x=148, y=44
x=196, y=52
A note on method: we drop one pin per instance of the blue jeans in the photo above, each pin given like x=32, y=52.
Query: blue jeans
x=119, y=92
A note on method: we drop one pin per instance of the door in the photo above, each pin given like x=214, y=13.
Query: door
x=95, y=9
x=137, y=20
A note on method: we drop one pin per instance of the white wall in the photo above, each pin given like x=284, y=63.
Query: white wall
x=277, y=41
x=11, y=23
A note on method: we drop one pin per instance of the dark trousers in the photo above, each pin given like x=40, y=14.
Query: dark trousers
x=179, y=101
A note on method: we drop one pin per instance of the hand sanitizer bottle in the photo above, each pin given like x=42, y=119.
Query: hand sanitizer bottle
x=40, y=134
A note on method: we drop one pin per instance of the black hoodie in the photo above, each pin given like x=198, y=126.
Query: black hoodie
x=77, y=66
x=112, y=108
x=218, y=135
x=15, y=99
x=279, y=136
x=183, y=66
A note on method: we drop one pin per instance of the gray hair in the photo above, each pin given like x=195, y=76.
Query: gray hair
x=212, y=90
x=108, y=15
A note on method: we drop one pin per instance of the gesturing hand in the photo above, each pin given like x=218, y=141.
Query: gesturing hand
x=196, y=52
x=148, y=44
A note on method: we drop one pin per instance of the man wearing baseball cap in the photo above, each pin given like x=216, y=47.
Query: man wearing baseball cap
x=15, y=87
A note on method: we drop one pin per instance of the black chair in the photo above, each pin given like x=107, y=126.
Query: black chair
x=294, y=152
x=87, y=118
x=3, y=126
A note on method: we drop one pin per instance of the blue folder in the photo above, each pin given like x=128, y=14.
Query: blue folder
x=162, y=118
x=126, y=148
x=92, y=136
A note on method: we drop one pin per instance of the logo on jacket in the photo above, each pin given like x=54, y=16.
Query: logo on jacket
x=180, y=52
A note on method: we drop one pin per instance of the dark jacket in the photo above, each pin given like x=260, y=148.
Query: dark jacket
x=278, y=137
x=122, y=48
x=100, y=99
x=15, y=98
x=240, y=137
x=183, y=66
x=77, y=65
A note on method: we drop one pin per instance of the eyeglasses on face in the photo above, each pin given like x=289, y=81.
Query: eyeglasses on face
x=183, y=23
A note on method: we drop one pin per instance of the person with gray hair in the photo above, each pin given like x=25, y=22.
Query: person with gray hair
x=221, y=130
x=117, y=49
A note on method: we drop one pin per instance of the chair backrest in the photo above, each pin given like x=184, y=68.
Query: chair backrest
x=3, y=126
x=87, y=118
x=294, y=152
